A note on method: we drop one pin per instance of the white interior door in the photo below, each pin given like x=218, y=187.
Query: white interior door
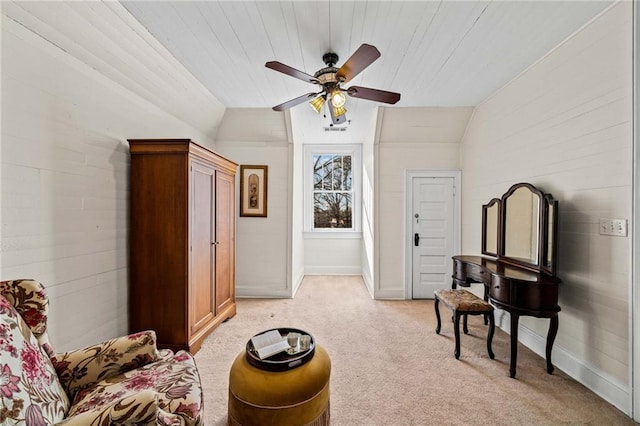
x=433, y=234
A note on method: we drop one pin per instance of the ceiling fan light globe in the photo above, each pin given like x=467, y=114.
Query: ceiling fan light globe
x=338, y=99
x=317, y=104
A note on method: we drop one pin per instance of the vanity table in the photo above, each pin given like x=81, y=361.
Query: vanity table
x=518, y=266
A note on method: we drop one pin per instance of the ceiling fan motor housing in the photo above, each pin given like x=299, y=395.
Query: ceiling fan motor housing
x=330, y=59
x=327, y=76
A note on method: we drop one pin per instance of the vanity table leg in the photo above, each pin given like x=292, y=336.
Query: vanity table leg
x=492, y=327
x=551, y=337
x=514, y=343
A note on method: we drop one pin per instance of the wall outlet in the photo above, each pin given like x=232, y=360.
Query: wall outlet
x=617, y=227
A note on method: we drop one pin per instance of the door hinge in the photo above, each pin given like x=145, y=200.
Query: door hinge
x=454, y=190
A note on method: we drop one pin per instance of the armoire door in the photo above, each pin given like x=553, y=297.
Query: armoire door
x=202, y=230
x=225, y=241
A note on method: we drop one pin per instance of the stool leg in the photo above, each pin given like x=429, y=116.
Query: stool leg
x=492, y=326
x=456, y=330
x=436, y=302
x=464, y=324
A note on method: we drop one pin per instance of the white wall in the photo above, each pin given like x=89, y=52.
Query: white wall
x=332, y=256
x=565, y=125
x=77, y=81
x=259, y=136
x=297, y=219
x=369, y=223
x=410, y=139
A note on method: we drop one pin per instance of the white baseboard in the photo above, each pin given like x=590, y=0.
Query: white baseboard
x=602, y=384
x=368, y=282
x=261, y=292
x=297, y=282
x=389, y=294
x=333, y=270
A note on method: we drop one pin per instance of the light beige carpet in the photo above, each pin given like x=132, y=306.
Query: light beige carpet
x=389, y=367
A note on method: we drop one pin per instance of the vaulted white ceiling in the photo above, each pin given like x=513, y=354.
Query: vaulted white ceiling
x=435, y=53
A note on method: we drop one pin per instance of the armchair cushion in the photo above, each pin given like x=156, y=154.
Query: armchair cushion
x=166, y=392
x=30, y=391
x=80, y=368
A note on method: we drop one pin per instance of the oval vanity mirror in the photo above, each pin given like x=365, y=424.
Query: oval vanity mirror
x=521, y=216
x=521, y=228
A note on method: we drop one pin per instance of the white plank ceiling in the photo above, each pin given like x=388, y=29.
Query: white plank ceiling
x=435, y=53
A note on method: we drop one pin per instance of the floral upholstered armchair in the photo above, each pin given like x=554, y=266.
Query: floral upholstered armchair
x=124, y=381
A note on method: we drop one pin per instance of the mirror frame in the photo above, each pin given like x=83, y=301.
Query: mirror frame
x=547, y=229
x=550, y=230
x=537, y=257
x=485, y=236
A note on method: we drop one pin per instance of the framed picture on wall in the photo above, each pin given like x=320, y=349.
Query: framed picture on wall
x=253, y=190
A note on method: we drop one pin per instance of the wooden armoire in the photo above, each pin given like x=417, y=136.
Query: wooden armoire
x=181, y=241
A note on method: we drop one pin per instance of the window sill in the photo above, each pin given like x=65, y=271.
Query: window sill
x=338, y=235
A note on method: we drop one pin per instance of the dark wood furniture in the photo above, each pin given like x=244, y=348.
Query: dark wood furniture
x=181, y=241
x=463, y=303
x=521, y=278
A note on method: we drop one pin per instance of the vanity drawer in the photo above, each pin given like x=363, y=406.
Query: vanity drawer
x=500, y=289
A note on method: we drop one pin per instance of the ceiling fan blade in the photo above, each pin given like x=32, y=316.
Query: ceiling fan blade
x=286, y=69
x=295, y=101
x=373, y=94
x=361, y=58
x=336, y=119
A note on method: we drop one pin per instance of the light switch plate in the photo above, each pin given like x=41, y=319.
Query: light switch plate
x=617, y=227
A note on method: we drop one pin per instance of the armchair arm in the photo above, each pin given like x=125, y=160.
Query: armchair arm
x=142, y=408
x=82, y=367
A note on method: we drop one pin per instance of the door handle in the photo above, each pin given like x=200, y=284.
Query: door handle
x=416, y=239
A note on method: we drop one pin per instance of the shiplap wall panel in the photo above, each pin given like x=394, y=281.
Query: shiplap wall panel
x=425, y=139
x=369, y=215
x=394, y=160
x=424, y=125
x=297, y=215
x=327, y=256
x=261, y=270
x=65, y=160
x=252, y=124
x=565, y=125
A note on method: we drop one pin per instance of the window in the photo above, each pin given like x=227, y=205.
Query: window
x=332, y=188
x=332, y=191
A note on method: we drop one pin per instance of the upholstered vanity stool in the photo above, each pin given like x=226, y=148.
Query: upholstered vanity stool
x=299, y=396
x=463, y=302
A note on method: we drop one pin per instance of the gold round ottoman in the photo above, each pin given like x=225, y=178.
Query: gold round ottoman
x=295, y=397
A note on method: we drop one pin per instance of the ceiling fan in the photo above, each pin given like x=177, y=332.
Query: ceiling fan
x=331, y=78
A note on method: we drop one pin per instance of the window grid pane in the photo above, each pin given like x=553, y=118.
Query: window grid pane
x=332, y=195
x=332, y=210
